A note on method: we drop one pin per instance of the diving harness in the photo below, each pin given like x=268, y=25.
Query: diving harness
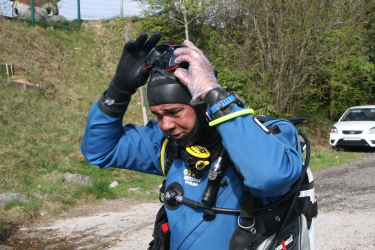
x=198, y=157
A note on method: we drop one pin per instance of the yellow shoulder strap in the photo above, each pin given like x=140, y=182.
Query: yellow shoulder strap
x=162, y=155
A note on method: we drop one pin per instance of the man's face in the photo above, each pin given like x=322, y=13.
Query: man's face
x=175, y=119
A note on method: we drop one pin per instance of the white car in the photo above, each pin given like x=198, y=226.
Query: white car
x=356, y=127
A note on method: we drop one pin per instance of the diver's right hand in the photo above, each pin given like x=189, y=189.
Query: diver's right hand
x=130, y=72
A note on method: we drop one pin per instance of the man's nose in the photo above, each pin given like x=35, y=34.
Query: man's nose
x=167, y=124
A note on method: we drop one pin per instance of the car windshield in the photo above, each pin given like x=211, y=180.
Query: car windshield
x=367, y=114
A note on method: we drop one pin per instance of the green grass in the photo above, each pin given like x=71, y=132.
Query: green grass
x=41, y=132
x=323, y=158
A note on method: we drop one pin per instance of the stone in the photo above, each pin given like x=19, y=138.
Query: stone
x=76, y=178
x=134, y=188
x=113, y=184
x=2, y=247
x=56, y=18
x=7, y=198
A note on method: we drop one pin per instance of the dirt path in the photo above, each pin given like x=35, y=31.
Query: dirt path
x=346, y=201
x=346, y=219
x=115, y=224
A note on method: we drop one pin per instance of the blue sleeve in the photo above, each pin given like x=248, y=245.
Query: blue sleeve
x=107, y=143
x=269, y=165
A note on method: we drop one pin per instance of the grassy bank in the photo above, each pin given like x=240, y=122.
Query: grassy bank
x=41, y=131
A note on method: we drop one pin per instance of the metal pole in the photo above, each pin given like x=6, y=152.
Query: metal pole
x=6, y=67
x=121, y=8
x=79, y=12
x=144, y=103
x=32, y=13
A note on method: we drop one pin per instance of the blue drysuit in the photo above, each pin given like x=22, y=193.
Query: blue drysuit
x=268, y=164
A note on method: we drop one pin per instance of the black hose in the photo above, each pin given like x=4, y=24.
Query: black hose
x=305, y=165
x=296, y=187
x=215, y=175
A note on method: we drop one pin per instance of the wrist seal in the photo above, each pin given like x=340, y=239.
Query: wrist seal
x=221, y=103
x=109, y=107
x=118, y=93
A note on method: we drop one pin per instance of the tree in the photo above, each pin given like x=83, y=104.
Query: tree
x=282, y=44
x=179, y=13
x=350, y=75
x=282, y=55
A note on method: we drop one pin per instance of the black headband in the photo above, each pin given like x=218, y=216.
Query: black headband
x=163, y=86
x=163, y=90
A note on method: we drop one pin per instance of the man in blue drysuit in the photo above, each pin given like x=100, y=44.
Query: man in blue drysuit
x=179, y=97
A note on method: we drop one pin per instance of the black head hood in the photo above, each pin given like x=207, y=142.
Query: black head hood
x=163, y=88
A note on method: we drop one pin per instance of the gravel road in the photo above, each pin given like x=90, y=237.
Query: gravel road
x=346, y=217
x=346, y=201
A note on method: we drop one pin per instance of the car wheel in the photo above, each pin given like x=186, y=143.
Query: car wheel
x=15, y=12
x=51, y=11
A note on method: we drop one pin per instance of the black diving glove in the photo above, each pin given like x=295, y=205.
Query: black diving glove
x=130, y=75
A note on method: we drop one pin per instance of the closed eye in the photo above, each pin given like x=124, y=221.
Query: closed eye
x=175, y=113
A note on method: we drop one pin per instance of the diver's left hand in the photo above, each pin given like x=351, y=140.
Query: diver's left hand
x=200, y=76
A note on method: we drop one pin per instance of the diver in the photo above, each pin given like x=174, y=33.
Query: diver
x=222, y=164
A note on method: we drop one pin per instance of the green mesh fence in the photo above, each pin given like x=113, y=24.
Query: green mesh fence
x=57, y=11
x=98, y=9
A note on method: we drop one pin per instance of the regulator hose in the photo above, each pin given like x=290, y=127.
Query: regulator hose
x=215, y=177
x=196, y=204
